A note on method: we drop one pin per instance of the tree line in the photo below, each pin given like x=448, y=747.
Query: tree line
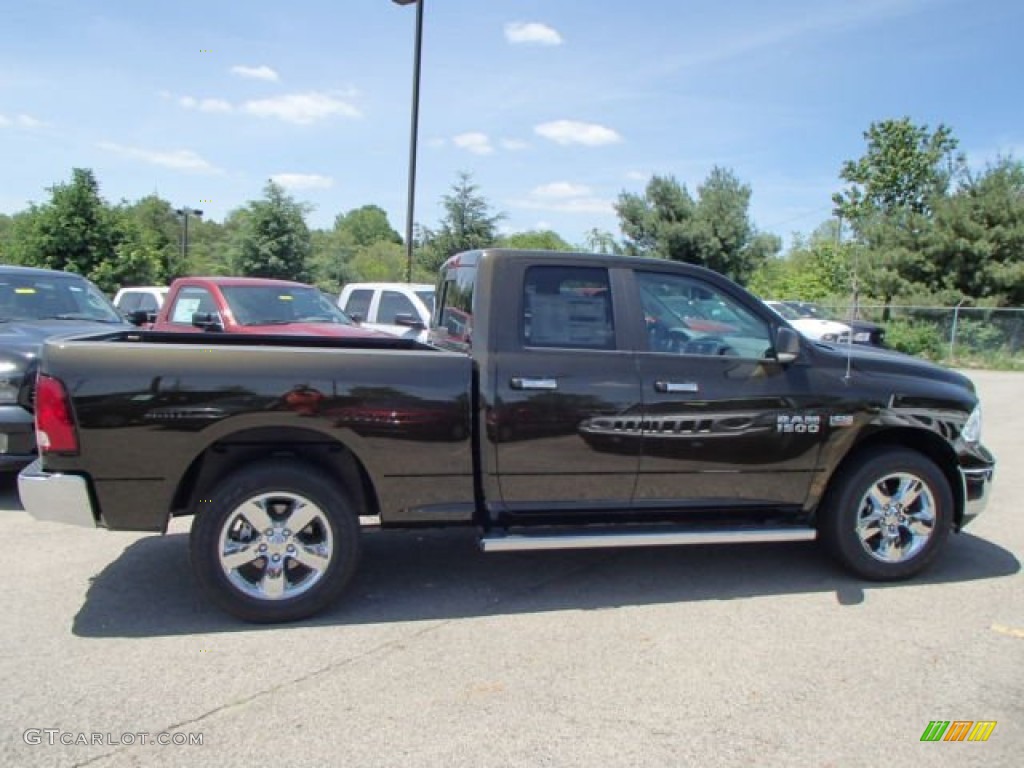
x=912, y=223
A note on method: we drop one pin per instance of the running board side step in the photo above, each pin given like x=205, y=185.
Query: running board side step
x=517, y=542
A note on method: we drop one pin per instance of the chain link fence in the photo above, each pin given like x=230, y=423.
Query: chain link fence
x=980, y=335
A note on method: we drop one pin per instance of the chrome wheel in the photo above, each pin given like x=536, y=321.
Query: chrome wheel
x=275, y=546
x=896, y=517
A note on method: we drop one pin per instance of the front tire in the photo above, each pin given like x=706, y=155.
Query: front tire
x=275, y=542
x=887, y=515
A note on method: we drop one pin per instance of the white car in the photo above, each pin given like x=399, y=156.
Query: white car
x=401, y=309
x=813, y=328
x=145, y=297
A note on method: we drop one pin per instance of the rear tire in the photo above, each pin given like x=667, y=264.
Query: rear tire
x=887, y=515
x=275, y=542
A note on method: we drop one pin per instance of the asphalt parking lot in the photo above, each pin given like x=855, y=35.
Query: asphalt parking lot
x=441, y=655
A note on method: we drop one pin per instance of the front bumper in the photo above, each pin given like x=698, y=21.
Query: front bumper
x=977, y=490
x=55, y=497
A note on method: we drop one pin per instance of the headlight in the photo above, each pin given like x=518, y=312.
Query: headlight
x=10, y=381
x=828, y=337
x=862, y=336
x=971, y=432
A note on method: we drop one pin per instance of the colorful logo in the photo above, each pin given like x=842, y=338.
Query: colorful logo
x=958, y=730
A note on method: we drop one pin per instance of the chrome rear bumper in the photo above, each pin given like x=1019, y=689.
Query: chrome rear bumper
x=54, y=497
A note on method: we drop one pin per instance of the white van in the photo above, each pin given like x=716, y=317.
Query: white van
x=401, y=309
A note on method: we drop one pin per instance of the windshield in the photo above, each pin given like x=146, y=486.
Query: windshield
x=53, y=297
x=281, y=305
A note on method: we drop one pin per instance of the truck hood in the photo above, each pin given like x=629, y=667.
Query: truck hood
x=888, y=362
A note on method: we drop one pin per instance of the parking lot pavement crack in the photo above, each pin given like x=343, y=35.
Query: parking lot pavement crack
x=400, y=642
x=273, y=689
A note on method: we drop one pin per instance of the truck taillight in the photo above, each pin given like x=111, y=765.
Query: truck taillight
x=55, y=426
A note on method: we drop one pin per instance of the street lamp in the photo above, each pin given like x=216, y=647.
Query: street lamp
x=183, y=214
x=413, y=131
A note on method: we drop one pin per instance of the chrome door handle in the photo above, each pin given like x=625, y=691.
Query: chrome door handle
x=676, y=386
x=526, y=382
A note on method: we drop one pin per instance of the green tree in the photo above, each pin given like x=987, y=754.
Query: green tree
x=891, y=195
x=273, y=239
x=814, y=268
x=536, y=240
x=600, y=241
x=366, y=226
x=714, y=230
x=978, y=237
x=77, y=231
x=380, y=262
x=469, y=223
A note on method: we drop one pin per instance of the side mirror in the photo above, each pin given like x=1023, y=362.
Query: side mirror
x=208, y=321
x=357, y=317
x=139, y=317
x=409, y=320
x=787, y=345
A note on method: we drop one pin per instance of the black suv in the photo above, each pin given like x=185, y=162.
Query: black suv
x=36, y=304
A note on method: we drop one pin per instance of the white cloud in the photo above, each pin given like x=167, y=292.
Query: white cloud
x=514, y=145
x=638, y=175
x=301, y=108
x=262, y=72
x=564, y=197
x=575, y=132
x=531, y=32
x=303, y=180
x=205, y=105
x=21, y=121
x=475, y=142
x=176, y=159
x=560, y=189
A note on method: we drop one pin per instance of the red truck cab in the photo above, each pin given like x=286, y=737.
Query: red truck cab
x=253, y=305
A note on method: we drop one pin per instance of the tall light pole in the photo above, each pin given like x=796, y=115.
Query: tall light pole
x=413, y=131
x=183, y=214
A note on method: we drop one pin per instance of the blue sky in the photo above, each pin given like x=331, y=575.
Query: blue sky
x=554, y=106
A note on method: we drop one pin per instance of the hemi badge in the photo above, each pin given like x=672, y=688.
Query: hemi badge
x=841, y=420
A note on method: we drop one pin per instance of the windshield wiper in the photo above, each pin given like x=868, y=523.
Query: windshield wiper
x=77, y=316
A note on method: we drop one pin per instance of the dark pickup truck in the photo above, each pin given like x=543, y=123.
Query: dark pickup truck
x=563, y=402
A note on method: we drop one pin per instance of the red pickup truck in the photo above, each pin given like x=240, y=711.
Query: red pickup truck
x=250, y=305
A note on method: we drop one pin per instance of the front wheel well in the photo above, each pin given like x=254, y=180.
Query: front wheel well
x=927, y=444
x=228, y=454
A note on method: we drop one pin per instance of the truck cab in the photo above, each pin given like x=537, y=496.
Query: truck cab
x=401, y=309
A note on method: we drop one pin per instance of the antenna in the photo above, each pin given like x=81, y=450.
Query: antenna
x=854, y=288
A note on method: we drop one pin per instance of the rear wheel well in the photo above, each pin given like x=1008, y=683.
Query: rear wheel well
x=927, y=444
x=243, y=448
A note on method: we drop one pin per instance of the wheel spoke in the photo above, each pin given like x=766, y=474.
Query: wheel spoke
x=315, y=556
x=238, y=555
x=909, y=491
x=890, y=548
x=303, y=514
x=255, y=511
x=921, y=523
x=878, y=496
x=273, y=583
